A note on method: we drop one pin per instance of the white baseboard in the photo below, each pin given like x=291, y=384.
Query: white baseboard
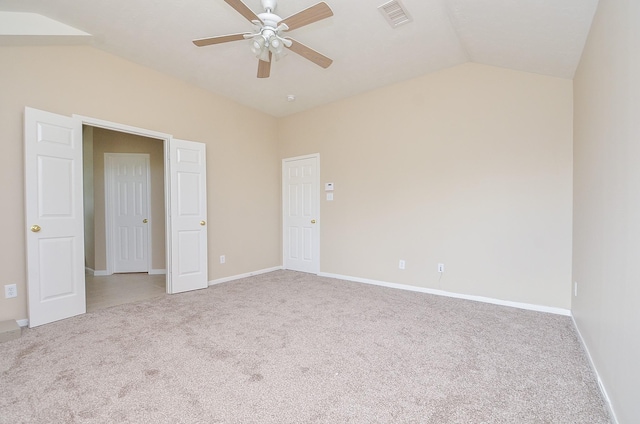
x=157, y=271
x=23, y=322
x=519, y=305
x=91, y=271
x=603, y=390
x=239, y=276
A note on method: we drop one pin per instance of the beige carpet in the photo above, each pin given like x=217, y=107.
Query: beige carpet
x=287, y=347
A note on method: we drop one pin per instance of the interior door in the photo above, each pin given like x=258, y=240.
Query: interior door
x=54, y=217
x=300, y=196
x=188, y=205
x=128, y=210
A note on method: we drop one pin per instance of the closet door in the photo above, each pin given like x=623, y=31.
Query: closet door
x=188, y=253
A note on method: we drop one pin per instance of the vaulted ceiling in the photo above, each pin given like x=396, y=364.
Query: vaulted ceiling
x=540, y=36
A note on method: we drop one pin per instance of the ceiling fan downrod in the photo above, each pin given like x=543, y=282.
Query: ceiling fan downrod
x=269, y=5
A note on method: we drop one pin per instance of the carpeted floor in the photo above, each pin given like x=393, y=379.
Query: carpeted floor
x=288, y=347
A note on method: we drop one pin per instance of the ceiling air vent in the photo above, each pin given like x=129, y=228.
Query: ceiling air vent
x=395, y=13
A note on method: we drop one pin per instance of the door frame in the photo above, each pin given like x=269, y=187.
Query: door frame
x=165, y=138
x=316, y=246
x=109, y=204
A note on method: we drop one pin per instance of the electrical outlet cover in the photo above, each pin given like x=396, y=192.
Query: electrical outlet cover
x=10, y=291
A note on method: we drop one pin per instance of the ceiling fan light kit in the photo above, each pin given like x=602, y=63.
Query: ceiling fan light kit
x=267, y=39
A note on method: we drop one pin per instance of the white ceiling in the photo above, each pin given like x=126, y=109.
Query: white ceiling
x=541, y=36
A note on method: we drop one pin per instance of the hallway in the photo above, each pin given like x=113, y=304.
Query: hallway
x=106, y=291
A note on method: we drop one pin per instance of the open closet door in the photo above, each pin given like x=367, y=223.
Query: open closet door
x=188, y=205
x=54, y=217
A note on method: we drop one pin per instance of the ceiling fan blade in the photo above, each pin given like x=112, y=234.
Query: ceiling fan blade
x=220, y=39
x=308, y=16
x=310, y=54
x=243, y=9
x=264, y=68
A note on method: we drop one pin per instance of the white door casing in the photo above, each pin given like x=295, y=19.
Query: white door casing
x=301, y=213
x=188, y=206
x=127, y=212
x=54, y=217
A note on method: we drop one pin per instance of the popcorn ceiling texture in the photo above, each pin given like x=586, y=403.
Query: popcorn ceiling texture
x=287, y=347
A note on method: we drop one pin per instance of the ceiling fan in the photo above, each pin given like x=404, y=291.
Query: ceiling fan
x=267, y=38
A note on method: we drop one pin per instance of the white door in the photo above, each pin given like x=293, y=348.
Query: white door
x=54, y=217
x=188, y=198
x=127, y=177
x=300, y=222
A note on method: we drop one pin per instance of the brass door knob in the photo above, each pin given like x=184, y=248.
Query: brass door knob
x=144, y=221
x=35, y=228
x=203, y=223
x=313, y=221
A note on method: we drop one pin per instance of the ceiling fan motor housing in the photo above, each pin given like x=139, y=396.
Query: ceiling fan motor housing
x=270, y=19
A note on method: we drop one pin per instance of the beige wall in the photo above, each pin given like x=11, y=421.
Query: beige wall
x=106, y=141
x=470, y=167
x=606, y=262
x=243, y=171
